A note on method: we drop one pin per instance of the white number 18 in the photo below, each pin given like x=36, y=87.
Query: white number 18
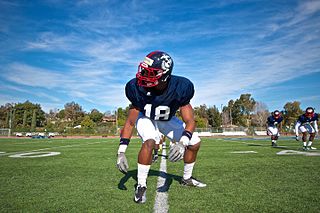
x=164, y=109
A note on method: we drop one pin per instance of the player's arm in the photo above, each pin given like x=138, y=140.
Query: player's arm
x=316, y=126
x=128, y=128
x=296, y=127
x=177, y=151
x=188, y=118
x=126, y=134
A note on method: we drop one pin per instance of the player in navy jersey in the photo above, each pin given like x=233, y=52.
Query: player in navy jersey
x=307, y=123
x=155, y=96
x=273, y=121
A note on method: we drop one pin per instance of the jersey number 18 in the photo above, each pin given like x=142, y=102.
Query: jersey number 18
x=161, y=112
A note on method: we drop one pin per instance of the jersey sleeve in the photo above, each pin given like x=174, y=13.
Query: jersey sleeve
x=280, y=119
x=187, y=93
x=269, y=120
x=131, y=93
x=300, y=119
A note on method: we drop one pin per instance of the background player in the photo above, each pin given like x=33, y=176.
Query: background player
x=307, y=123
x=273, y=121
x=155, y=96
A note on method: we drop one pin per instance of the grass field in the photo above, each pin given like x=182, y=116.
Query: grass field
x=83, y=178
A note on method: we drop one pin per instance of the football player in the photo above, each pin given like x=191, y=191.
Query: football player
x=307, y=123
x=273, y=121
x=155, y=96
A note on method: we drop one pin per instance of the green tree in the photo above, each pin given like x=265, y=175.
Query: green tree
x=242, y=109
x=291, y=113
x=61, y=114
x=201, y=116
x=28, y=108
x=34, y=121
x=87, y=122
x=96, y=116
x=24, y=122
x=122, y=115
x=214, y=117
x=73, y=113
x=201, y=122
x=5, y=115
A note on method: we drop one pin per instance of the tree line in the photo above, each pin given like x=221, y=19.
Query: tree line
x=245, y=111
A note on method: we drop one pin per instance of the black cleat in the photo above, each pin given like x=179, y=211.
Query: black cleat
x=140, y=194
x=155, y=158
x=192, y=182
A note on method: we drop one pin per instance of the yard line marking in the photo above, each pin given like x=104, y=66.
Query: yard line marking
x=55, y=147
x=161, y=201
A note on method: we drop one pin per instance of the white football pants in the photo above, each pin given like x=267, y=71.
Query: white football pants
x=172, y=129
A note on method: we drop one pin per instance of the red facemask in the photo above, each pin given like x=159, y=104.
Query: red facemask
x=148, y=76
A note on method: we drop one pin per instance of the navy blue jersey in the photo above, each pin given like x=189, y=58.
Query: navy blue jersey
x=272, y=121
x=303, y=119
x=179, y=92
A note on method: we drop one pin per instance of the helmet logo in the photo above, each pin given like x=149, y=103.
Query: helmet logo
x=309, y=111
x=166, y=62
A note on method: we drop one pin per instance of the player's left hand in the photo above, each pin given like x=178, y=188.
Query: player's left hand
x=176, y=152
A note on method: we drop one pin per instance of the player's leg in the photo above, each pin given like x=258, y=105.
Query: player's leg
x=155, y=153
x=312, y=134
x=173, y=129
x=148, y=133
x=273, y=132
x=304, y=132
x=274, y=140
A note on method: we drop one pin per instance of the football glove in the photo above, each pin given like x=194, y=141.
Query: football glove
x=122, y=163
x=176, y=152
x=297, y=138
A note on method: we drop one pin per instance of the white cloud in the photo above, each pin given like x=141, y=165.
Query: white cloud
x=224, y=52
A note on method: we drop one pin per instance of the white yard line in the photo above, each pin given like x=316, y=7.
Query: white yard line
x=55, y=147
x=161, y=201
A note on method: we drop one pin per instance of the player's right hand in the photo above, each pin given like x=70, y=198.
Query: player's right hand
x=122, y=163
x=297, y=138
x=176, y=152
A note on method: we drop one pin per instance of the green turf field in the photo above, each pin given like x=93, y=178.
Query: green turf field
x=83, y=178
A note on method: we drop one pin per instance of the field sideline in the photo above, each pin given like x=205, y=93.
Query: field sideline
x=242, y=175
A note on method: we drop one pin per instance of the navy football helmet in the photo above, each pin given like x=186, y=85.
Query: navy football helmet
x=276, y=114
x=309, y=112
x=155, y=69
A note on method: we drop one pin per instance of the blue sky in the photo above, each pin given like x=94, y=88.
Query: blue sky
x=54, y=52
